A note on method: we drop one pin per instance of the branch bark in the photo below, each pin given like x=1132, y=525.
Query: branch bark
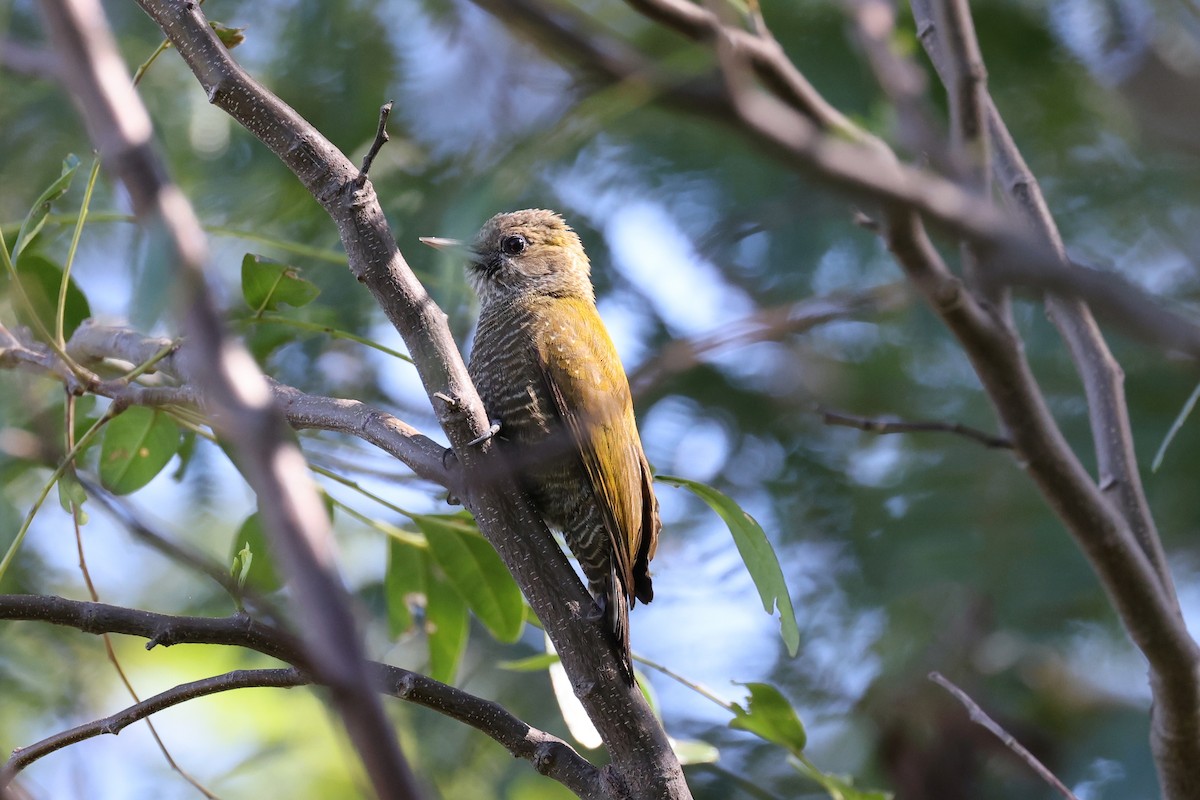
x=548, y=754
x=1175, y=668
x=642, y=759
x=292, y=513
x=1122, y=547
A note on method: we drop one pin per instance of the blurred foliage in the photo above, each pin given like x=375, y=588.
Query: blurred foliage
x=902, y=553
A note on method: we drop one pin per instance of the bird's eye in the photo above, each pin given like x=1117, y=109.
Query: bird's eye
x=513, y=245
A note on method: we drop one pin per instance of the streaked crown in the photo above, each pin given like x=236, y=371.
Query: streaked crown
x=530, y=252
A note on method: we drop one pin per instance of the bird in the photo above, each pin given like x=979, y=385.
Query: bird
x=552, y=383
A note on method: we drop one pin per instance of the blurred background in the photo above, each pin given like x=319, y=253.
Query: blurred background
x=903, y=554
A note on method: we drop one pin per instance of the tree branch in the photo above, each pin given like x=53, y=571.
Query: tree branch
x=979, y=716
x=636, y=741
x=22, y=757
x=293, y=516
x=92, y=344
x=766, y=325
x=550, y=755
x=1175, y=729
x=861, y=167
x=877, y=425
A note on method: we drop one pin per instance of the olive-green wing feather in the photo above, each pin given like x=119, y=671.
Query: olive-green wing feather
x=584, y=376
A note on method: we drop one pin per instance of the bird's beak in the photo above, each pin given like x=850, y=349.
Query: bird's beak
x=451, y=245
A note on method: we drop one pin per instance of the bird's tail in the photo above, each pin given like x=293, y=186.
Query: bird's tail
x=616, y=616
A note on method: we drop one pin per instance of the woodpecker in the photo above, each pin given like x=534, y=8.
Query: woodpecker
x=549, y=375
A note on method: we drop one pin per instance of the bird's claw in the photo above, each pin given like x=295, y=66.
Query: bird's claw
x=597, y=612
x=492, y=430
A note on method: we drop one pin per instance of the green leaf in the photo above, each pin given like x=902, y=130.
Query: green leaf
x=473, y=568
x=240, y=569
x=253, y=556
x=445, y=625
x=40, y=280
x=267, y=283
x=757, y=554
x=137, y=445
x=839, y=787
x=537, y=663
x=36, y=217
x=771, y=717
x=694, y=751
x=72, y=495
x=230, y=37
x=405, y=578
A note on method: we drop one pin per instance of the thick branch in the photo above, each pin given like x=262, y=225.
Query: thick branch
x=548, y=754
x=638, y=745
x=292, y=513
x=1175, y=736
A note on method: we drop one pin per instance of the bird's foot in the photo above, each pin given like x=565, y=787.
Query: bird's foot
x=598, y=610
x=492, y=430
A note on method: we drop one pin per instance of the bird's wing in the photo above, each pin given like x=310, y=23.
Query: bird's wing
x=591, y=393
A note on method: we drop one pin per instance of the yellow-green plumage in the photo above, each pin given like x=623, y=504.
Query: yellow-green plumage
x=549, y=374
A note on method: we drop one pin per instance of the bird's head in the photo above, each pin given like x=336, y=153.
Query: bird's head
x=524, y=253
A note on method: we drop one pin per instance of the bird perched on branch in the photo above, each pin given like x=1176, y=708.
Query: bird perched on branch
x=549, y=375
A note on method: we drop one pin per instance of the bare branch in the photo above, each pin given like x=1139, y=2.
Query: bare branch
x=640, y=751
x=292, y=512
x=549, y=755
x=767, y=325
x=902, y=81
x=1074, y=291
x=764, y=54
x=381, y=138
x=884, y=425
x=22, y=757
x=979, y=716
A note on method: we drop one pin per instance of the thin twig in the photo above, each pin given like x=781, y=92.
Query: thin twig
x=884, y=425
x=22, y=757
x=980, y=717
x=109, y=652
x=548, y=754
x=766, y=325
x=381, y=138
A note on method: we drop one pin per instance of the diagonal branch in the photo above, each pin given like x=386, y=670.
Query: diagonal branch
x=550, y=755
x=1176, y=714
x=635, y=739
x=113, y=724
x=766, y=325
x=980, y=717
x=293, y=515
x=1103, y=379
x=858, y=166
